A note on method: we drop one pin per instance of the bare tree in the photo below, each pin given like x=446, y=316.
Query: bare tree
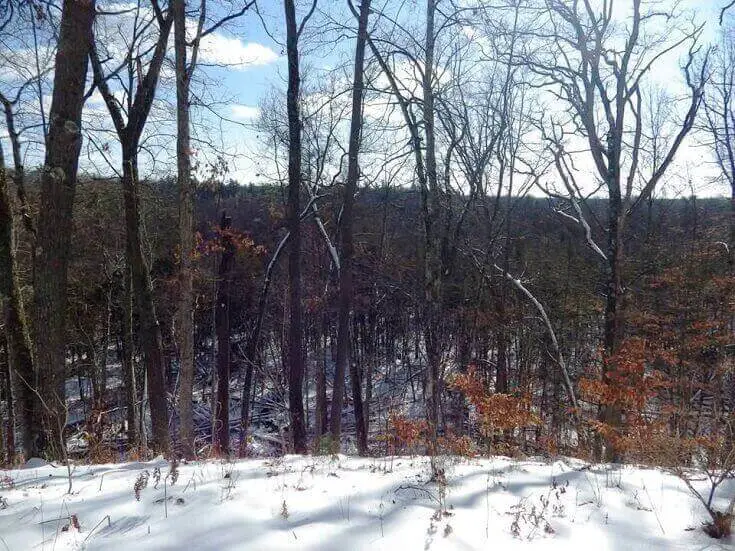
x=296, y=360
x=184, y=74
x=347, y=247
x=719, y=110
x=443, y=204
x=599, y=77
x=140, y=98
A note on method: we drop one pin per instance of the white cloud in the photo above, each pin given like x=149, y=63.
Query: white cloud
x=244, y=112
x=222, y=50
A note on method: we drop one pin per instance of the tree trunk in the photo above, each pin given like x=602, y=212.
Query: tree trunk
x=731, y=245
x=18, y=169
x=221, y=431
x=432, y=270
x=58, y=183
x=102, y=362
x=320, y=409
x=20, y=363
x=7, y=438
x=295, y=331
x=150, y=330
x=613, y=329
x=246, y=398
x=186, y=234
x=346, y=234
x=501, y=369
x=370, y=347
x=127, y=360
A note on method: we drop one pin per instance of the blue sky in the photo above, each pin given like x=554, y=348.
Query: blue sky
x=239, y=88
x=249, y=84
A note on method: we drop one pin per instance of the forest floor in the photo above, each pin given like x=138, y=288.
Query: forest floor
x=345, y=503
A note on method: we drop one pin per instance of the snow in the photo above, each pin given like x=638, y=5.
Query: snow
x=337, y=503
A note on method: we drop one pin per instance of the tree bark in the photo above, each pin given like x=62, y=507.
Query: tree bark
x=20, y=362
x=150, y=330
x=127, y=359
x=346, y=290
x=58, y=184
x=18, y=168
x=432, y=269
x=221, y=431
x=320, y=409
x=295, y=330
x=613, y=328
x=186, y=234
x=8, y=437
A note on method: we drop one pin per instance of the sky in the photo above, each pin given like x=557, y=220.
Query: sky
x=250, y=83
x=241, y=65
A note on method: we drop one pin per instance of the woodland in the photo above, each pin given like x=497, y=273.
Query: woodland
x=482, y=228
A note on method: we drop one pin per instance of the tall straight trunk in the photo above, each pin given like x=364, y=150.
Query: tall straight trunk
x=128, y=364
x=58, y=184
x=102, y=360
x=320, y=408
x=150, y=330
x=370, y=351
x=613, y=310
x=295, y=330
x=18, y=345
x=221, y=433
x=613, y=327
x=346, y=241
x=501, y=370
x=91, y=366
x=186, y=234
x=432, y=270
x=8, y=438
x=246, y=398
x=731, y=245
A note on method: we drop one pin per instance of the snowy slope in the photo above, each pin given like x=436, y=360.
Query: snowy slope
x=347, y=503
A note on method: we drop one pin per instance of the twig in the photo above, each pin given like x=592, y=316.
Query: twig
x=654, y=509
x=109, y=523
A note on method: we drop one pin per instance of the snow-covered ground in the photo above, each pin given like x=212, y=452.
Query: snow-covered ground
x=342, y=503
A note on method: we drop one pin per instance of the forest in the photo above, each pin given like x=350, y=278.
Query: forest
x=435, y=228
